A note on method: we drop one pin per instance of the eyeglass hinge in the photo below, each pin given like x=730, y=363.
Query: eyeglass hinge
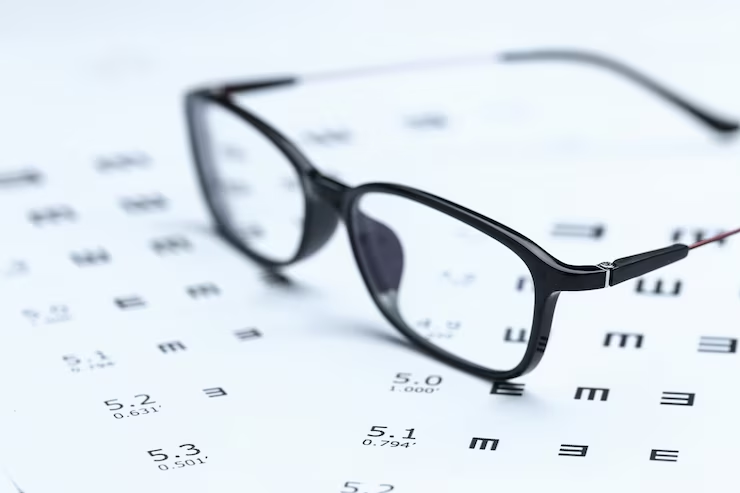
x=607, y=267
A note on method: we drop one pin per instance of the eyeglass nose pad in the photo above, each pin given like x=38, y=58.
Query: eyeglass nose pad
x=381, y=254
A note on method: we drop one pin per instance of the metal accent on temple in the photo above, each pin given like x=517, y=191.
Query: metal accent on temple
x=607, y=268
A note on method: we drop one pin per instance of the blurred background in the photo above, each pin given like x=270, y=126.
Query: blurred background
x=121, y=66
x=83, y=78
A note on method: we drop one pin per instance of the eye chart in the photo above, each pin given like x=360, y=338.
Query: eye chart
x=141, y=353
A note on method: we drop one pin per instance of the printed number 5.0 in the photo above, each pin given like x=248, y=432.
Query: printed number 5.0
x=402, y=378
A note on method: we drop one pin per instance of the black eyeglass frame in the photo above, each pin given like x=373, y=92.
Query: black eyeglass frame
x=327, y=201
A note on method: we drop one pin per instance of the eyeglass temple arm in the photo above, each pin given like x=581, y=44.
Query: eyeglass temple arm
x=627, y=268
x=716, y=122
x=712, y=239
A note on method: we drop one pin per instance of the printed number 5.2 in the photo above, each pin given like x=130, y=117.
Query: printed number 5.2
x=113, y=402
x=351, y=485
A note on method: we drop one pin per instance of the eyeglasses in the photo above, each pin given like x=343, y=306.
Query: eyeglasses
x=399, y=235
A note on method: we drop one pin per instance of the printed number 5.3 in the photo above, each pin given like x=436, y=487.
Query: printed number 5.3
x=154, y=454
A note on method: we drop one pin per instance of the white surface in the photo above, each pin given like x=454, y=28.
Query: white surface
x=545, y=144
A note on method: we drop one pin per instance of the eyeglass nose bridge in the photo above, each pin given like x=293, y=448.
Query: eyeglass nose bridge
x=377, y=247
x=324, y=199
x=325, y=189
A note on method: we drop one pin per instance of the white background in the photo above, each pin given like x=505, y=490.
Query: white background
x=84, y=78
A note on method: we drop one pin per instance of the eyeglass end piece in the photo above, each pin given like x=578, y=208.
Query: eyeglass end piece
x=256, y=84
x=627, y=268
x=607, y=267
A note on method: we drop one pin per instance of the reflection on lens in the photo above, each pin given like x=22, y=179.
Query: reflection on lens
x=453, y=285
x=258, y=191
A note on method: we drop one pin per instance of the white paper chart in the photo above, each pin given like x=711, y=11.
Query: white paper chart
x=140, y=352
